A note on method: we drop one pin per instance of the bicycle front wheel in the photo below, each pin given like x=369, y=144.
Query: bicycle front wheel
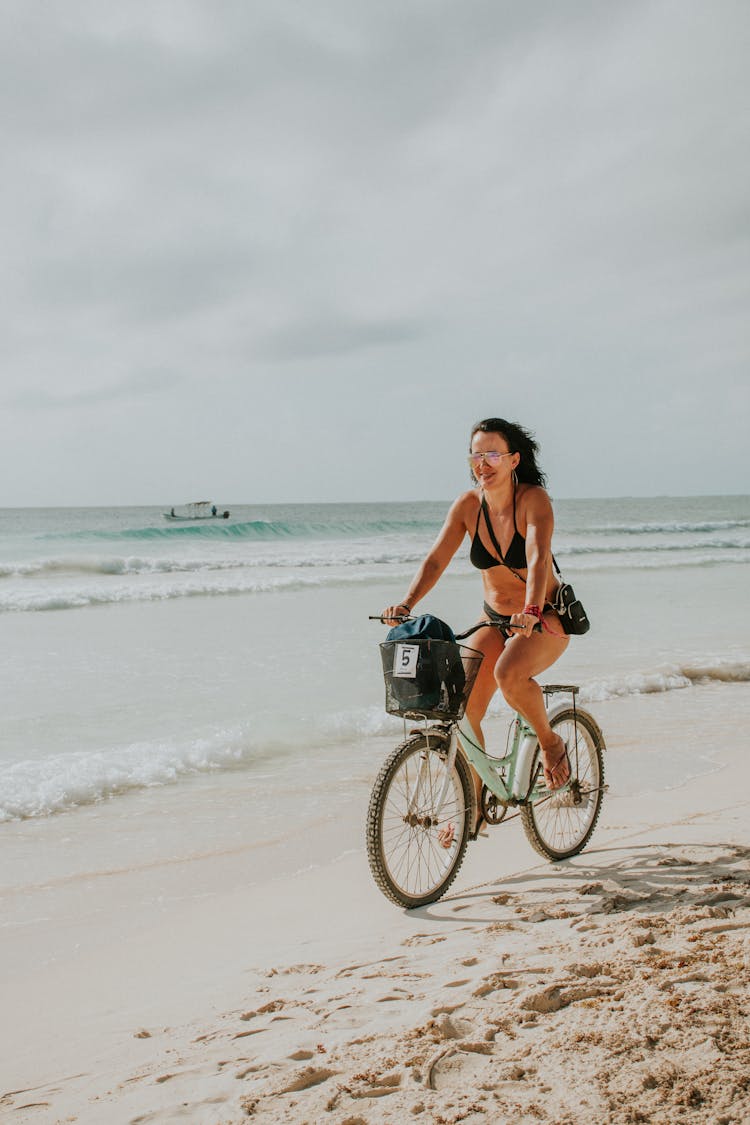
x=560, y=825
x=408, y=861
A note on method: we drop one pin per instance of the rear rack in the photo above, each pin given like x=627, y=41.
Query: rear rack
x=551, y=689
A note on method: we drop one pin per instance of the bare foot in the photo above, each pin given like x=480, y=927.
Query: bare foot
x=556, y=766
x=446, y=835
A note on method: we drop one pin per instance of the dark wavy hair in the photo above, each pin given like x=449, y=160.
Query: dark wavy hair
x=519, y=441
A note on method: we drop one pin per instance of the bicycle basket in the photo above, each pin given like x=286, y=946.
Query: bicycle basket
x=428, y=678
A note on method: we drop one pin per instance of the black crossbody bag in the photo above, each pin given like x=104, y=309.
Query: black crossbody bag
x=569, y=608
x=573, y=616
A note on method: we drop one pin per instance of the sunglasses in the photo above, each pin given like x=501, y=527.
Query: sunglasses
x=475, y=459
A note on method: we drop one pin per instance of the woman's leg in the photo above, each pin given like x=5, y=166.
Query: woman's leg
x=491, y=643
x=521, y=660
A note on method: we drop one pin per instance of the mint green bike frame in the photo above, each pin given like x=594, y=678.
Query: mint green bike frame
x=508, y=778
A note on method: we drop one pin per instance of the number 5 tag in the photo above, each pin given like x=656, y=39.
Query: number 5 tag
x=405, y=661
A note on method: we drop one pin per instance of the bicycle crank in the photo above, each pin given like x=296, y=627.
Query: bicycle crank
x=493, y=809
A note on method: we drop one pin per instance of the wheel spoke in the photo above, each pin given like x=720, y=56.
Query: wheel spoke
x=414, y=863
x=560, y=823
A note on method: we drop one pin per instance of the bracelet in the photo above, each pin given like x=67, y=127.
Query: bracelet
x=535, y=611
x=404, y=605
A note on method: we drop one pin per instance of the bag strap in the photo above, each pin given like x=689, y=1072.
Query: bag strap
x=484, y=510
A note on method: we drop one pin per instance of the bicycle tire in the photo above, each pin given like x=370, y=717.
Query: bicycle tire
x=559, y=826
x=407, y=862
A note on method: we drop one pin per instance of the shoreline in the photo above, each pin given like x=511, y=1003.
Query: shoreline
x=172, y=990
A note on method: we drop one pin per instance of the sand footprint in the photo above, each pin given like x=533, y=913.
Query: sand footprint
x=458, y=1065
x=555, y=997
x=446, y=1026
x=447, y=1009
x=276, y=1009
x=424, y=939
x=375, y=1085
x=396, y=994
x=246, y=1072
x=349, y=970
x=495, y=983
x=305, y=1079
x=303, y=967
x=8, y=1098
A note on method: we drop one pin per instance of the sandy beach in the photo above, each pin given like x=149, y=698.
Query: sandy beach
x=612, y=987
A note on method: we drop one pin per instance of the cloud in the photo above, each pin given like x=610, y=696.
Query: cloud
x=474, y=204
x=142, y=283
x=134, y=387
x=317, y=337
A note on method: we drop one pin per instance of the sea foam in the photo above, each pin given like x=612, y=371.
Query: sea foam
x=59, y=782
x=673, y=677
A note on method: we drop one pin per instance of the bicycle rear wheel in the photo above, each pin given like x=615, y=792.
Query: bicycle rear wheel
x=407, y=861
x=560, y=825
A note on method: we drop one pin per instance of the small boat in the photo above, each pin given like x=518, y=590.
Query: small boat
x=199, y=510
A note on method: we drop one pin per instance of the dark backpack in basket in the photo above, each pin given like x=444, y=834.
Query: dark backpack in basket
x=423, y=668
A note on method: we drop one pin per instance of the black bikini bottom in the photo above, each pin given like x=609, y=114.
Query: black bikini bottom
x=495, y=616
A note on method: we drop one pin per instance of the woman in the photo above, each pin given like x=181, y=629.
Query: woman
x=508, y=516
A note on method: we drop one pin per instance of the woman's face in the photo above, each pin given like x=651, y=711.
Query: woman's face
x=499, y=463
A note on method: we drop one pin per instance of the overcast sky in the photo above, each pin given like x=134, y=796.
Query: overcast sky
x=263, y=250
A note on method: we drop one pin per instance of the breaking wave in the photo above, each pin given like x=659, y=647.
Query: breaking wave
x=262, y=530
x=673, y=677
x=668, y=527
x=35, y=788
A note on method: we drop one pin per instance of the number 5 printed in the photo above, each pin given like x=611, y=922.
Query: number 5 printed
x=405, y=661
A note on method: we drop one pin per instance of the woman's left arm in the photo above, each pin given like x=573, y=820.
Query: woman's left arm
x=540, y=523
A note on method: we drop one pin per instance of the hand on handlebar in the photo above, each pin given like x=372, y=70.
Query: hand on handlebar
x=524, y=624
x=395, y=614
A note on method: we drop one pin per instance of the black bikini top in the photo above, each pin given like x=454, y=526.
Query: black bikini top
x=514, y=557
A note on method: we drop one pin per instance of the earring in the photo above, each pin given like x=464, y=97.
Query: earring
x=514, y=478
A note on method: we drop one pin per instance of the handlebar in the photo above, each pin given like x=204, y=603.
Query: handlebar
x=503, y=624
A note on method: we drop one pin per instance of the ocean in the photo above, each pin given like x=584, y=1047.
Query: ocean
x=171, y=688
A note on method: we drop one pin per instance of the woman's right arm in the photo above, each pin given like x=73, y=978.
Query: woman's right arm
x=435, y=562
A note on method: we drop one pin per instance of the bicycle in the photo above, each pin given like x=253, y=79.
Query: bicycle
x=425, y=783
